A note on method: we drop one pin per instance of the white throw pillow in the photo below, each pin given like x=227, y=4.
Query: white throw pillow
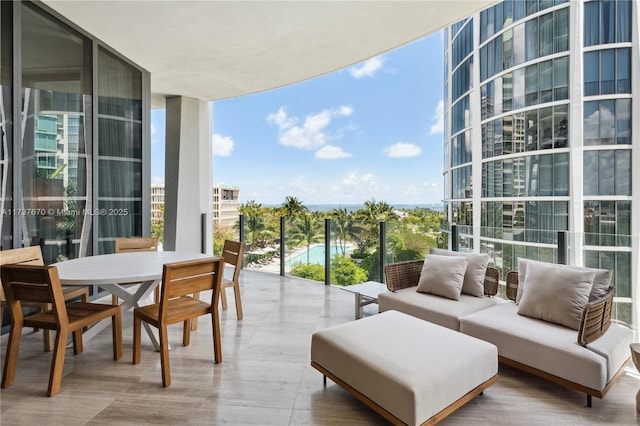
x=473, y=283
x=555, y=293
x=443, y=275
x=601, y=280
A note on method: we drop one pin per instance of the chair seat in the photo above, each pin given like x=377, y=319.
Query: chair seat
x=80, y=315
x=179, y=310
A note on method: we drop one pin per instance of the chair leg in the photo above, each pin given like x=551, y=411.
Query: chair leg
x=236, y=291
x=137, y=325
x=194, y=321
x=57, y=363
x=11, y=358
x=114, y=300
x=215, y=325
x=164, y=356
x=84, y=298
x=156, y=294
x=116, y=331
x=223, y=296
x=47, y=335
x=186, y=333
x=78, y=347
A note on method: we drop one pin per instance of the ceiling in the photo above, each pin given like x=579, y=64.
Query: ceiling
x=214, y=50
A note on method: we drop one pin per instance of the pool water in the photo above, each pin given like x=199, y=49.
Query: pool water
x=316, y=255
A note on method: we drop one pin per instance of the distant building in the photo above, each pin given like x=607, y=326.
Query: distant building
x=542, y=122
x=226, y=204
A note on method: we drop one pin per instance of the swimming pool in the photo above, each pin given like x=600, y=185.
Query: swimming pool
x=316, y=255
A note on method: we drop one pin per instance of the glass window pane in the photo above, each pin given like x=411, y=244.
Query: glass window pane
x=591, y=73
x=546, y=175
x=623, y=222
x=507, y=49
x=623, y=21
x=591, y=123
x=518, y=40
x=546, y=34
x=607, y=72
x=561, y=30
x=623, y=121
x=623, y=172
x=623, y=71
x=560, y=125
x=561, y=174
x=607, y=21
x=546, y=128
x=531, y=85
x=546, y=81
x=531, y=30
x=561, y=78
x=590, y=174
x=507, y=92
x=532, y=175
x=591, y=23
x=607, y=122
x=532, y=130
x=518, y=88
x=606, y=167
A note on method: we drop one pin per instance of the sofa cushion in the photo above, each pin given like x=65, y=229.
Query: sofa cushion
x=543, y=345
x=614, y=347
x=474, y=274
x=435, y=309
x=601, y=280
x=442, y=275
x=555, y=294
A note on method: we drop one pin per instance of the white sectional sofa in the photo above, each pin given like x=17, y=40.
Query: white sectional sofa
x=588, y=355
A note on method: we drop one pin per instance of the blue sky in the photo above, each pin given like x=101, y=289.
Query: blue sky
x=373, y=130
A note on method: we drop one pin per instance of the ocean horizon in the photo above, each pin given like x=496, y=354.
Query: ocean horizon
x=352, y=207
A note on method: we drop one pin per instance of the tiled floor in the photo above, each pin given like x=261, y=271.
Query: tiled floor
x=265, y=377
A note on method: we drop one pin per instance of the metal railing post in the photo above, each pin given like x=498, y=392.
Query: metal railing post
x=383, y=249
x=327, y=251
x=282, y=245
x=454, y=237
x=241, y=230
x=203, y=230
x=562, y=247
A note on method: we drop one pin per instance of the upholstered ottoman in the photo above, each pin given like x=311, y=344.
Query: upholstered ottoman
x=409, y=370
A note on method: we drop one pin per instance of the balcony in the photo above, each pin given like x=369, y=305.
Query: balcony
x=265, y=377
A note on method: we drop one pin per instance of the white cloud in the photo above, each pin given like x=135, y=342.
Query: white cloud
x=367, y=68
x=312, y=134
x=157, y=180
x=355, y=186
x=222, y=145
x=403, y=150
x=438, y=120
x=331, y=152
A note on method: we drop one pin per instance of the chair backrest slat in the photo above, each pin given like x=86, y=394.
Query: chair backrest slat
x=233, y=252
x=33, y=283
x=24, y=256
x=188, y=277
x=134, y=244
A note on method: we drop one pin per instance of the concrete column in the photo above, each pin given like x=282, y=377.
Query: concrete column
x=188, y=175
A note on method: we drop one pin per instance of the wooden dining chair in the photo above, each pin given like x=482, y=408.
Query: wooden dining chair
x=232, y=252
x=33, y=256
x=179, y=281
x=136, y=244
x=41, y=284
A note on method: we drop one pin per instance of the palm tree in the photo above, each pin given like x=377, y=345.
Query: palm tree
x=341, y=227
x=293, y=207
x=307, y=228
x=254, y=220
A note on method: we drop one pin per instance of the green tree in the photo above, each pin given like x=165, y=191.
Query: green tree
x=344, y=271
x=341, y=227
x=293, y=207
x=307, y=228
x=157, y=227
x=220, y=234
x=254, y=221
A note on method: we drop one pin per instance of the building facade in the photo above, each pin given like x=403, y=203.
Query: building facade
x=542, y=114
x=226, y=204
x=75, y=137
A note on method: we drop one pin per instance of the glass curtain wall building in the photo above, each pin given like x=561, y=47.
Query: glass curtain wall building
x=71, y=117
x=540, y=108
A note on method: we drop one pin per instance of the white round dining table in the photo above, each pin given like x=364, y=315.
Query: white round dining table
x=110, y=271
